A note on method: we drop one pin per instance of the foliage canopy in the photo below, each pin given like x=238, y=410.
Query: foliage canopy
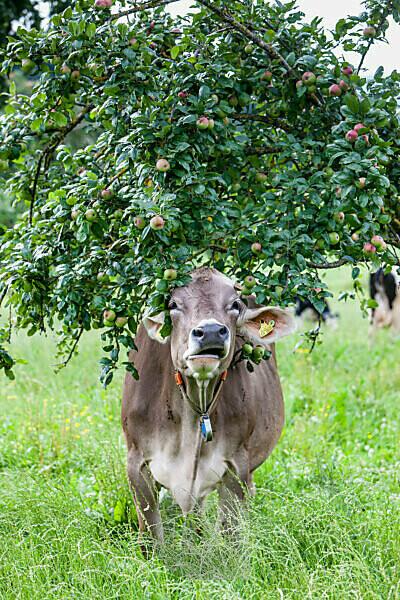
x=258, y=173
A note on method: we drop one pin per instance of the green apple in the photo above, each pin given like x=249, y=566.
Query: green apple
x=109, y=315
x=90, y=214
x=334, y=238
x=170, y=274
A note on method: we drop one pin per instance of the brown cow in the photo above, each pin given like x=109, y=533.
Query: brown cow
x=181, y=379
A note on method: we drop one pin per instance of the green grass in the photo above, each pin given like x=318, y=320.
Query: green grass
x=325, y=522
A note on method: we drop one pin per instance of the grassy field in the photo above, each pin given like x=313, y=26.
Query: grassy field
x=325, y=522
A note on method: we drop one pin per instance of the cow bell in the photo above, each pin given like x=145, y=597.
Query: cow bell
x=205, y=428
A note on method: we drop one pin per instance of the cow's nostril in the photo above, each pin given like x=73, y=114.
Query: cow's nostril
x=223, y=331
x=198, y=332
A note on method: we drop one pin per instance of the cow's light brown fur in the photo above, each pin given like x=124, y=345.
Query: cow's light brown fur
x=161, y=430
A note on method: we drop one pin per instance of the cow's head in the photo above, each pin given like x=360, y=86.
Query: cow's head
x=207, y=314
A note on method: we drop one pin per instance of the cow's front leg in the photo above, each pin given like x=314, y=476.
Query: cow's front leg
x=232, y=491
x=145, y=495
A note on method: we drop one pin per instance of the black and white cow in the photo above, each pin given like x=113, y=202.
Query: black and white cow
x=305, y=310
x=385, y=290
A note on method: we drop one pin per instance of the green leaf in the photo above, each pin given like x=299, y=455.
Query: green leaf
x=352, y=103
x=175, y=50
x=365, y=106
x=90, y=30
x=59, y=119
x=204, y=92
x=37, y=124
x=291, y=59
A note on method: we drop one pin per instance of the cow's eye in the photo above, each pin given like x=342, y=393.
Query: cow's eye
x=172, y=305
x=235, y=306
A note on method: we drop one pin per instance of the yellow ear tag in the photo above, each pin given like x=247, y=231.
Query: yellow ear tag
x=266, y=328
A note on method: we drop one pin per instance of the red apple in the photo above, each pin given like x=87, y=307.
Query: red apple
x=355, y=236
x=309, y=78
x=256, y=248
x=379, y=243
x=202, y=123
x=335, y=90
x=369, y=32
x=299, y=84
x=106, y=194
x=139, y=222
x=369, y=249
x=103, y=3
x=157, y=222
x=163, y=165
x=347, y=70
x=182, y=94
x=351, y=135
x=343, y=85
x=211, y=123
x=266, y=76
x=359, y=126
x=65, y=70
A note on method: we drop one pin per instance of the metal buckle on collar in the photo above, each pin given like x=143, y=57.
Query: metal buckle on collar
x=205, y=428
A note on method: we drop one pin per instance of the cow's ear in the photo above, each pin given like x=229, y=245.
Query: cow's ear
x=153, y=325
x=266, y=324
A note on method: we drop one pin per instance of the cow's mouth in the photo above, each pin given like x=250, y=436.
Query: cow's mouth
x=215, y=353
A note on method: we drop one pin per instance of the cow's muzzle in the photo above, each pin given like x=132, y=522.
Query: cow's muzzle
x=209, y=344
x=209, y=339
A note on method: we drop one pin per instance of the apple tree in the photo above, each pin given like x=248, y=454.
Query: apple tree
x=236, y=137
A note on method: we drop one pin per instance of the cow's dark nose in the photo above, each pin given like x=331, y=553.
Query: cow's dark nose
x=211, y=335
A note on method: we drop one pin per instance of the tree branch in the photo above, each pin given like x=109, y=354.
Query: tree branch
x=329, y=265
x=118, y=175
x=263, y=118
x=49, y=149
x=71, y=352
x=140, y=7
x=225, y=16
x=34, y=187
x=260, y=150
x=3, y=294
x=385, y=15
